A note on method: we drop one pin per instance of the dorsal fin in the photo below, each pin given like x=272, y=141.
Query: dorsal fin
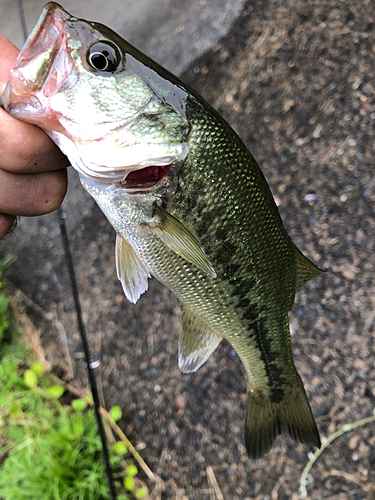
x=306, y=270
x=197, y=342
x=130, y=270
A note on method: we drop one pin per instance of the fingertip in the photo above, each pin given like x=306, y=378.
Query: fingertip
x=6, y=222
x=56, y=191
x=25, y=148
x=49, y=190
x=32, y=194
x=9, y=53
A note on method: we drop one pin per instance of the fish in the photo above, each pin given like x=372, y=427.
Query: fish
x=189, y=204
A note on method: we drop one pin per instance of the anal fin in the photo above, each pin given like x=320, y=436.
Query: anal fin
x=130, y=270
x=197, y=342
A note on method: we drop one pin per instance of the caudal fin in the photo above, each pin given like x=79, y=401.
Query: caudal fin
x=266, y=419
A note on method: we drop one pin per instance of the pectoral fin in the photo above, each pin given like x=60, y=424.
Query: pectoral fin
x=197, y=342
x=179, y=239
x=130, y=270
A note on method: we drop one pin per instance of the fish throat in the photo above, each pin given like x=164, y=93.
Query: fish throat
x=145, y=178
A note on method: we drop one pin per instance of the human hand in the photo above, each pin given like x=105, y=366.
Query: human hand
x=33, y=178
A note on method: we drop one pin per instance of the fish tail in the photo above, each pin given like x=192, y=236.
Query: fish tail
x=268, y=416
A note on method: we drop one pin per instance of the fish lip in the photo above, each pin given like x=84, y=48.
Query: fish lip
x=42, y=45
x=53, y=16
x=106, y=175
x=103, y=174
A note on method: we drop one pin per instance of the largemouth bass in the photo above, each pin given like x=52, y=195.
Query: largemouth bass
x=188, y=201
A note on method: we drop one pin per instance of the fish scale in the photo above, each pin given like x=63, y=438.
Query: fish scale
x=199, y=216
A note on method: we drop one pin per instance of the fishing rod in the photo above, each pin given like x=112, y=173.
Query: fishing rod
x=81, y=325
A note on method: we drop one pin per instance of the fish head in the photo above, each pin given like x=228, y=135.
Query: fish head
x=108, y=107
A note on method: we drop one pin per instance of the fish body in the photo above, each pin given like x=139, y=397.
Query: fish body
x=188, y=201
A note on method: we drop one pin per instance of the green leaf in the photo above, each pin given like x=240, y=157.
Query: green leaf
x=120, y=448
x=79, y=404
x=38, y=368
x=131, y=470
x=141, y=493
x=78, y=428
x=56, y=391
x=116, y=413
x=129, y=483
x=30, y=378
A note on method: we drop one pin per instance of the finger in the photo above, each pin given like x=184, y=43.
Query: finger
x=26, y=148
x=6, y=222
x=23, y=147
x=32, y=194
x=9, y=53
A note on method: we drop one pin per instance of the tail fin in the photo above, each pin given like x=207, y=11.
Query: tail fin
x=266, y=419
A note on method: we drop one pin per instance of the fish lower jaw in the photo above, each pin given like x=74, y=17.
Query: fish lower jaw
x=141, y=179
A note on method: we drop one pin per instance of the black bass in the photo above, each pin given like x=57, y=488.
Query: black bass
x=188, y=202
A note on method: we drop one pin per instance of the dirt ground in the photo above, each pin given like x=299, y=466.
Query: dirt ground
x=295, y=78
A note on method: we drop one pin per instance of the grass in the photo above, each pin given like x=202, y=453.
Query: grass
x=50, y=450
x=7, y=325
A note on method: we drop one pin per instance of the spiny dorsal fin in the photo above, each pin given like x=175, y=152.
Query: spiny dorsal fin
x=179, y=239
x=130, y=270
x=197, y=342
x=306, y=270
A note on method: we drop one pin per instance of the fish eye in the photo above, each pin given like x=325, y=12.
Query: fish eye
x=103, y=56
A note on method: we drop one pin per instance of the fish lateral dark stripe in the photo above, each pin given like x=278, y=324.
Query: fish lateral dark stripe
x=275, y=372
